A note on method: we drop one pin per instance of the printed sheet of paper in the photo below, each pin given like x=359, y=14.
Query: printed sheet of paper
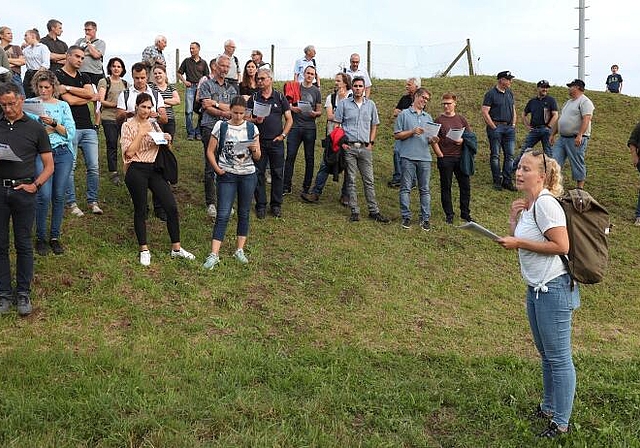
x=261, y=109
x=455, y=134
x=34, y=106
x=158, y=138
x=6, y=153
x=476, y=228
x=431, y=129
x=305, y=107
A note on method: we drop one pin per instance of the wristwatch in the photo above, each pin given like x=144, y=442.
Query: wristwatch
x=372, y=142
x=54, y=124
x=217, y=105
x=284, y=135
x=68, y=88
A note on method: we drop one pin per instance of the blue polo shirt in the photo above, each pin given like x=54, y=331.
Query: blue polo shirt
x=540, y=110
x=415, y=147
x=357, y=121
x=500, y=104
x=271, y=127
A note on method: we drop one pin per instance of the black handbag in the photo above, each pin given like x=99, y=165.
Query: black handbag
x=166, y=163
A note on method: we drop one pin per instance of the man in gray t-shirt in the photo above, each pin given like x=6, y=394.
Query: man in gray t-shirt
x=304, y=112
x=94, y=50
x=574, y=127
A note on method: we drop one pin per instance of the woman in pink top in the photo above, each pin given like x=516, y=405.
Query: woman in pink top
x=139, y=152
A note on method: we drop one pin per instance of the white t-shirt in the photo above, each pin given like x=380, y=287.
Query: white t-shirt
x=230, y=159
x=538, y=269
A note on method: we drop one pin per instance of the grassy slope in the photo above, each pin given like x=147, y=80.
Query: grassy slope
x=337, y=334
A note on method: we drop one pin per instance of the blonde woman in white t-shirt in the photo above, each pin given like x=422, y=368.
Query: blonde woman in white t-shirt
x=539, y=230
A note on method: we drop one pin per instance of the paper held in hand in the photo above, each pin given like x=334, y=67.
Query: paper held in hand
x=305, y=107
x=34, y=106
x=431, y=129
x=158, y=138
x=476, y=228
x=261, y=109
x=6, y=153
x=455, y=134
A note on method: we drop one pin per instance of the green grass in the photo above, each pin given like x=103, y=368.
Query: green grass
x=336, y=334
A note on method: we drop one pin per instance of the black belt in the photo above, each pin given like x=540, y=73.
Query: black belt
x=358, y=143
x=10, y=183
x=572, y=136
x=540, y=126
x=500, y=122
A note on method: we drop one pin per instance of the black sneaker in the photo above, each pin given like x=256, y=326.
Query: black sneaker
x=354, y=217
x=261, y=213
x=6, y=300
x=276, y=212
x=286, y=191
x=23, y=304
x=552, y=431
x=424, y=225
x=406, y=223
x=310, y=197
x=344, y=201
x=56, y=247
x=449, y=220
x=393, y=184
x=467, y=218
x=509, y=186
x=378, y=217
x=42, y=248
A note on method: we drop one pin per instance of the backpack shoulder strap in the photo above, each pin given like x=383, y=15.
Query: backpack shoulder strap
x=251, y=130
x=564, y=258
x=126, y=92
x=223, y=134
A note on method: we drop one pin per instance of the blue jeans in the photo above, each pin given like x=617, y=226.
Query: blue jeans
x=18, y=206
x=87, y=139
x=308, y=138
x=52, y=192
x=411, y=169
x=272, y=152
x=17, y=80
x=189, y=99
x=564, y=148
x=535, y=135
x=397, y=167
x=321, y=180
x=230, y=185
x=502, y=138
x=549, y=316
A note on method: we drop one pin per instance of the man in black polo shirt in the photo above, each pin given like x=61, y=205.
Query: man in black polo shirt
x=57, y=47
x=24, y=138
x=499, y=113
x=272, y=137
x=544, y=114
x=190, y=73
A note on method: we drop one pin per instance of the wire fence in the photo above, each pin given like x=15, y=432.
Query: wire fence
x=386, y=61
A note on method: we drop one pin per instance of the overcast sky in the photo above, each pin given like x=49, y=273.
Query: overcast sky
x=533, y=39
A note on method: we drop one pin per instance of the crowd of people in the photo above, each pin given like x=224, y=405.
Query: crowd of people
x=243, y=124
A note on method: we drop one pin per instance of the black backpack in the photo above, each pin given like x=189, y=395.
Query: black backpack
x=251, y=132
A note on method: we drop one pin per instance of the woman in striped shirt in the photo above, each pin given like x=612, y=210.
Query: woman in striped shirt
x=169, y=95
x=139, y=152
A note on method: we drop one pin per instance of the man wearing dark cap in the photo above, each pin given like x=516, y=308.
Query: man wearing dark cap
x=544, y=115
x=574, y=127
x=499, y=113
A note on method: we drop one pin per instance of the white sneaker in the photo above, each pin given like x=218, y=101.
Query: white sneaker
x=181, y=253
x=241, y=257
x=75, y=210
x=637, y=223
x=211, y=261
x=145, y=257
x=95, y=209
x=211, y=211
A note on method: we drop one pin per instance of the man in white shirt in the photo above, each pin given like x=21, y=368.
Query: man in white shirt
x=355, y=70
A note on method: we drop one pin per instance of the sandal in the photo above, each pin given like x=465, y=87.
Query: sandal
x=553, y=430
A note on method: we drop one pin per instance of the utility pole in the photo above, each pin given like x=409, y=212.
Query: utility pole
x=581, y=39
